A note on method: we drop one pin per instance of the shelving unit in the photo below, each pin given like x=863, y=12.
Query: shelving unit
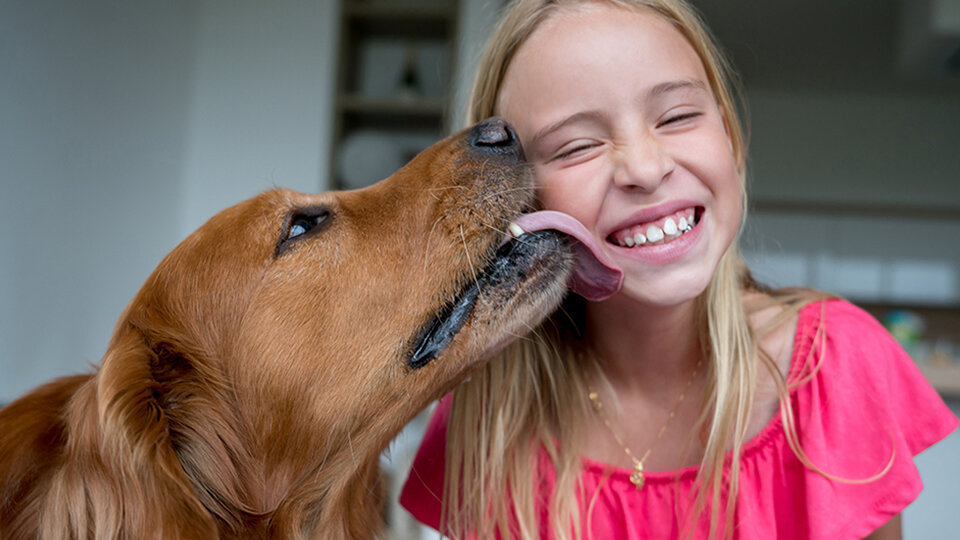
x=393, y=96
x=940, y=322
x=394, y=85
x=945, y=379
x=882, y=256
x=861, y=209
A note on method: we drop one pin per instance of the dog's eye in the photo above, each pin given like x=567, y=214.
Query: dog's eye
x=302, y=223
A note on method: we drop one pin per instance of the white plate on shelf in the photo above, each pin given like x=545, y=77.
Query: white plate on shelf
x=368, y=156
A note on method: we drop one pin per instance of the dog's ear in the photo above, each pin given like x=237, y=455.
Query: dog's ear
x=166, y=416
x=137, y=445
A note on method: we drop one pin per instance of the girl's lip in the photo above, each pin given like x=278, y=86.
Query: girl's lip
x=652, y=214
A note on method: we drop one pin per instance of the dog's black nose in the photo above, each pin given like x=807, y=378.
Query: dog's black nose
x=495, y=134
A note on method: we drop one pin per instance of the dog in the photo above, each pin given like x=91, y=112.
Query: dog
x=251, y=384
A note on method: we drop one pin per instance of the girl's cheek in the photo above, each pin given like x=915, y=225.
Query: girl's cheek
x=570, y=190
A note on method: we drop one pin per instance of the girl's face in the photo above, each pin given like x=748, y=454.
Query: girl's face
x=618, y=120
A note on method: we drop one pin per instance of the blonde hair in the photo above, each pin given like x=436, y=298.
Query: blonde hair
x=525, y=400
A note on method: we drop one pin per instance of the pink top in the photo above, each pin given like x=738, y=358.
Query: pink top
x=866, y=402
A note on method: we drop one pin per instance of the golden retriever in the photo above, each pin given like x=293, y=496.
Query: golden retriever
x=251, y=384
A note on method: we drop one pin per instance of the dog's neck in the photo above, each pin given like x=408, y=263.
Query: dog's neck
x=290, y=476
x=248, y=477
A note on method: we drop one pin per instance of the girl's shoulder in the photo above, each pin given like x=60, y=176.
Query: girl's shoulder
x=847, y=342
x=853, y=386
x=861, y=409
x=800, y=326
x=843, y=318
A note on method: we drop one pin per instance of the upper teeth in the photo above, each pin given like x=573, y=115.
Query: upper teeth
x=652, y=234
x=670, y=227
x=655, y=234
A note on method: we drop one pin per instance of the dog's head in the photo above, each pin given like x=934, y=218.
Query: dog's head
x=324, y=321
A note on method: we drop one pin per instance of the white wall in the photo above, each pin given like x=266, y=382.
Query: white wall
x=933, y=516
x=898, y=151
x=123, y=126
x=94, y=100
x=261, y=109
x=889, y=148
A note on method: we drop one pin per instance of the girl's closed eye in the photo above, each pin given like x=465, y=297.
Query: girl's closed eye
x=576, y=149
x=676, y=119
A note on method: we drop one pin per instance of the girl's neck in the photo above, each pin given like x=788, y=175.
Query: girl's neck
x=644, y=348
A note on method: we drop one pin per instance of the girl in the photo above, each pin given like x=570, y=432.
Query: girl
x=694, y=402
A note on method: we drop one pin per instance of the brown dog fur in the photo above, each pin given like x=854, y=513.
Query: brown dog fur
x=249, y=387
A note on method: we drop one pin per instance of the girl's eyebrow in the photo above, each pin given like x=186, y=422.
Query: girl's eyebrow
x=589, y=116
x=695, y=85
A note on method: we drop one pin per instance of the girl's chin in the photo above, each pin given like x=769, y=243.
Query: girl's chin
x=671, y=290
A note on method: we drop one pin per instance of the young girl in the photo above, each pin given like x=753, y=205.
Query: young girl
x=693, y=403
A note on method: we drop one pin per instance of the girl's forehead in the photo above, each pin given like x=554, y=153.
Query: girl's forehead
x=598, y=49
x=573, y=29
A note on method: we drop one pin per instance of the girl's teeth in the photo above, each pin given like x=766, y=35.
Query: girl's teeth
x=670, y=227
x=654, y=234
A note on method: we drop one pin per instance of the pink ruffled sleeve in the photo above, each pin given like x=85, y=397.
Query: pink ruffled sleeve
x=422, y=492
x=866, y=412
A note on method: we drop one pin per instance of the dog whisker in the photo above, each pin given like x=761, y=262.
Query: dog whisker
x=466, y=250
x=443, y=188
x=426, y=250
x=491, y=227
x=503, y=192
x=495, y=229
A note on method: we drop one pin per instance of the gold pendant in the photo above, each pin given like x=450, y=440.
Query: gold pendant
x=637, y=476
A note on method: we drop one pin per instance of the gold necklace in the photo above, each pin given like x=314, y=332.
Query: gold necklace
x=636, y=477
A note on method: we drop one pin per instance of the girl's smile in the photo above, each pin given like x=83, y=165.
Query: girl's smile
x=660, y=241
x=615, y=113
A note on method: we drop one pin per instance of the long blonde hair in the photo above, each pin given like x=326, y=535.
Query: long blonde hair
x=526, y=400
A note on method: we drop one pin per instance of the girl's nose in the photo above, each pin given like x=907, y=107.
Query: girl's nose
x=642, y=164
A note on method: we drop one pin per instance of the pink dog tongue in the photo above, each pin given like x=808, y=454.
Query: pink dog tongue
x=596, y=277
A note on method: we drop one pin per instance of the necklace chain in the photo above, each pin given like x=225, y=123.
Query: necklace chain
x=636, y=477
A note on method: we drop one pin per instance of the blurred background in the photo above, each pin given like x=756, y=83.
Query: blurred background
x=125, y=125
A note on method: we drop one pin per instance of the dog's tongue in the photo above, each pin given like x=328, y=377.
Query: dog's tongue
x=596, y=277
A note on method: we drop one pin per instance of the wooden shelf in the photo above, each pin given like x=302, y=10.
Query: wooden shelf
x=400, y=20
x=398, y=10
x=407, y=36
x=866, y=209
x=940, y=322
x=945, y=379
x=354, y=103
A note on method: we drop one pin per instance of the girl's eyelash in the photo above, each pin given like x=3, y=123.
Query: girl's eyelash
x=572, y=151
x=679, y=117
x=670, y=120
